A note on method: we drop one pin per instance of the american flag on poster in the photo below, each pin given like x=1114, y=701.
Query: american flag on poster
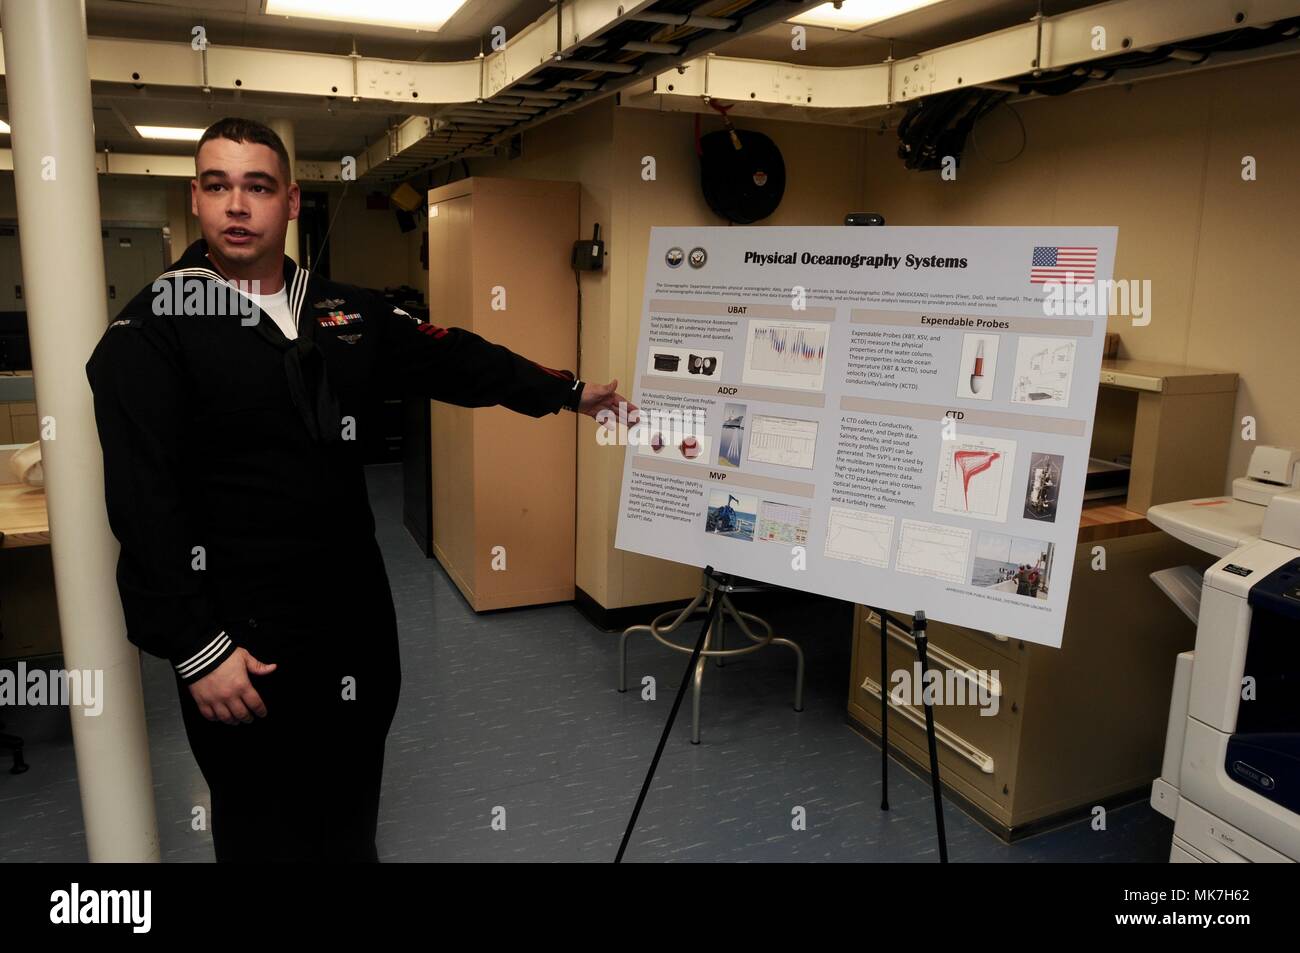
x=1064, y=264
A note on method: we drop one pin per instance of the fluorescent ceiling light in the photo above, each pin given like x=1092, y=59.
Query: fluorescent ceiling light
x=179, y=133
x=412, y=14
x=4, y=128
x=855, y=14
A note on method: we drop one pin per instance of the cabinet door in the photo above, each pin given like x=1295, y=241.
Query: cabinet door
x=133, y=257
x=451, y=428
x=450, y=263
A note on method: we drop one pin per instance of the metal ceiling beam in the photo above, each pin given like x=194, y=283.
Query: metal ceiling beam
x=181, y=167
x=364, y=83
x=594, y=66
x=1067, y=40
x=687, y=19
x=284, y=72
x=638, y=46
x=718, y=34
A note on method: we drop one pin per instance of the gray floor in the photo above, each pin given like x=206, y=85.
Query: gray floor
x=516, y=711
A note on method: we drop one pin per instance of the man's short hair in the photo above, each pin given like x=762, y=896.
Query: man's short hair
x=246, y=130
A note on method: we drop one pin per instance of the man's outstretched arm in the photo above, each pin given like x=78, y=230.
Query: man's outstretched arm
x=463, y=368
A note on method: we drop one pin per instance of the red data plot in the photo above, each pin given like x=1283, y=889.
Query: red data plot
x=971, y=463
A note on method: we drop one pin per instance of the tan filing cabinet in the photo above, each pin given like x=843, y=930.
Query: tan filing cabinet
x=1075, y=727
x=504, y=484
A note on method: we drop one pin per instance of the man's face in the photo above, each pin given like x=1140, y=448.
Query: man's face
x=242, y=202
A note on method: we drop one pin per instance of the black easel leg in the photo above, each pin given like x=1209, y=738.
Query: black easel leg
x=918, y=633
x=715, y=601
x=884, y=715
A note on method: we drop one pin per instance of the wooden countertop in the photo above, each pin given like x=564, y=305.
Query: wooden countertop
x=1103, y=520
x=23, y=519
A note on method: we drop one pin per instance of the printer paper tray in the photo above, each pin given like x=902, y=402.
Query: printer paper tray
x=1182, y=584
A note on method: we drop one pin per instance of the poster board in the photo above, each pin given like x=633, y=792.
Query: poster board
x=892, y=416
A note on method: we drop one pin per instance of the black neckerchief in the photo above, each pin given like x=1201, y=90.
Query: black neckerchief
x=304, y=364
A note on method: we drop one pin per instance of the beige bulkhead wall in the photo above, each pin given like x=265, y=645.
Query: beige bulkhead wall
x=1163, y=161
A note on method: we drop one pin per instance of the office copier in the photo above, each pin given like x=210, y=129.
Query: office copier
x=1230, y=779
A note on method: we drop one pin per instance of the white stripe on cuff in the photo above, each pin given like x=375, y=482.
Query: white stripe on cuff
x=204, y=655
x=298, y=293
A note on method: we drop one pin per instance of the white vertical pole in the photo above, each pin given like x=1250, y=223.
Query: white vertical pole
x=284, y=129
x=63, y=274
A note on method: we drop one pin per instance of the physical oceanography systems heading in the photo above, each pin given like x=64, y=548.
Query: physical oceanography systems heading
x=886, y=260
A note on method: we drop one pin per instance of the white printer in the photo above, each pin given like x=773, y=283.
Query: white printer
x=1230, y=780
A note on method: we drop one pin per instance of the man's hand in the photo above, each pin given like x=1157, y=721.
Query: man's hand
x=226, y=694
x=607, y=405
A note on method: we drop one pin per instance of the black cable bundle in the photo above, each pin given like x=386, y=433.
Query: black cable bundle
x=938, y=126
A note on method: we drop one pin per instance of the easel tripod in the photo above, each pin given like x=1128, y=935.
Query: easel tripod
x=917, y=630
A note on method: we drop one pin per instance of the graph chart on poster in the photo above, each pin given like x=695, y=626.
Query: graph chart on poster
x=894, y=416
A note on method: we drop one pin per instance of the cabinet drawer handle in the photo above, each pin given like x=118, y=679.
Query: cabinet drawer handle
x=950, y=738
x=982, y=680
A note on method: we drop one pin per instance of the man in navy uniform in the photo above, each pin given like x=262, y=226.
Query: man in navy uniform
x=226, y=396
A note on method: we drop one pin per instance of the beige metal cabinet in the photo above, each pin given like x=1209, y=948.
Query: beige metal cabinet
x=1075, y=727
x=1084, y=724
x=504, y=484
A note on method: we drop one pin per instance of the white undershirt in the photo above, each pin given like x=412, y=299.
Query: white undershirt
x=277, y=306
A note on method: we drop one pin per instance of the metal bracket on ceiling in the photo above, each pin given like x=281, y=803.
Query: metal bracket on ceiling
x=203, y=63
x=889, y=77
x=559, y=29
x=1038, y=42
x=356, y=72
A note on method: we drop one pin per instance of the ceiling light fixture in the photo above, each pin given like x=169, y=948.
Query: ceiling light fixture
x=176, y=133
x=411, y=14
x=855, y=14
